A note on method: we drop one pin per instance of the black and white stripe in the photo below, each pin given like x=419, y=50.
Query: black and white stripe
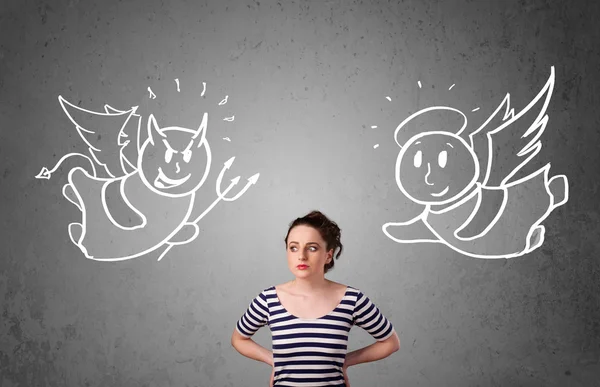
x=311, y=352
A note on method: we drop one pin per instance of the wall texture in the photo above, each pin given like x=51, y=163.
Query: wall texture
x=305, y=81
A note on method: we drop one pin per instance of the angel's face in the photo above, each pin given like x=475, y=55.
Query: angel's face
x=174, y=161
x=435, y=168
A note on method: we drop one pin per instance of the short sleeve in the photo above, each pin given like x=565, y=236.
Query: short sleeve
x=255, y=317
x=367, y=316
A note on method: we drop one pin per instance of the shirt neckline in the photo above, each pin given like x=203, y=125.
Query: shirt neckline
x=310, y=319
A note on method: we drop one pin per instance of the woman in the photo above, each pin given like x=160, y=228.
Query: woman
x=310, y=317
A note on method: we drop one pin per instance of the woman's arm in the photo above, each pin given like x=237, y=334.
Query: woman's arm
x=249, y=348
x=375, y=351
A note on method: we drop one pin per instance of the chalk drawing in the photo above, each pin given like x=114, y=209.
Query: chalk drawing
x=140, y=193
x=473, y=202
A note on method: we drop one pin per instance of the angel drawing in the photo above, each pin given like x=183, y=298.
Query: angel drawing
x=136, y=189
x=475, y=200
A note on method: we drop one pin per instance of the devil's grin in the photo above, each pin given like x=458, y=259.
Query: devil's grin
x=162, y=181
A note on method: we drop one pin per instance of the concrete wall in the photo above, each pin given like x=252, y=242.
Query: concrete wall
x=305, y=82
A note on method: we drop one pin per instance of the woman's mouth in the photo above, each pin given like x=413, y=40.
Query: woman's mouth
x=302, y=267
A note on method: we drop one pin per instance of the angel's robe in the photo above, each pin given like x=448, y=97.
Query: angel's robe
x=114, y=226
x=503, y=232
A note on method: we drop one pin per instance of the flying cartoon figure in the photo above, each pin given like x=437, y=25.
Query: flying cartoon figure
x=473, y=202
x=140, y=193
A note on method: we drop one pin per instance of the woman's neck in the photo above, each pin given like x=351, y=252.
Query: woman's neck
x=308, y=286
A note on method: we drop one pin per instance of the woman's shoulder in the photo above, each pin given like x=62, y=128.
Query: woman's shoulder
x=346, y=286
x=283, y=285
x=265, y=291
x=349, y=289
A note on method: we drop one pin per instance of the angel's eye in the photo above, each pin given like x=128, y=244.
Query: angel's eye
x=418, y=159
x=443, y=158
x=168, y=155
x=187, y=155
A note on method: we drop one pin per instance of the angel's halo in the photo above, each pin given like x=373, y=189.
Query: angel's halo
x=439, y=118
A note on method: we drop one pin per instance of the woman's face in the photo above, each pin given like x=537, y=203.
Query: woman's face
x=305, y=246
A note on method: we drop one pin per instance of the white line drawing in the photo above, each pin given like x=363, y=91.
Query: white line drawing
x=227, y=139
x=229, y=118
x=177, y=81
x=450, y=88
x=224, y=101
x=203, y=89
x=221, y=196
x=375, y=146
x=389, y=99
x=152, y=95
x=419, y=83
x=140, y=193
x=474, y=110
x=45, y=173
x=373, y=126
x=473, y=203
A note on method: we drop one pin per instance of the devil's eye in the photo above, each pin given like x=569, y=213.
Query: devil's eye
x=443, y=158
x=187, y=155
x=168, y=155
x=418, y=159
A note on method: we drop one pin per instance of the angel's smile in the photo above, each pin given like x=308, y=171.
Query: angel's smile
x=441, y=193
x=162, y=181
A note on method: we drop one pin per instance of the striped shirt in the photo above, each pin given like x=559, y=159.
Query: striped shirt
x=311, y=352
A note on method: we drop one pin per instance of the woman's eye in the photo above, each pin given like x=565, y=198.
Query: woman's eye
x=168, y=155
x=418, y=159
x=443, y=158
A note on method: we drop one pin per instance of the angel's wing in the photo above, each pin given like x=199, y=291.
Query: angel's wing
x=112, y=136
x=499, y=164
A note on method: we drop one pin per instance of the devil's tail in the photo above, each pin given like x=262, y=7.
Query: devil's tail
x=88, y=164
x=111, y=136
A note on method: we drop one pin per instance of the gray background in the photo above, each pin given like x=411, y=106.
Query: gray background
x=306, y=80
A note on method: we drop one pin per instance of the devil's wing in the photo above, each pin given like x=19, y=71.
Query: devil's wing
x=112, y=136
x=506, y=142
x=131, y=137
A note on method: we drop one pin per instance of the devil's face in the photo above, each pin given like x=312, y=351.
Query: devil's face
x=435, y=168
x=174, y=161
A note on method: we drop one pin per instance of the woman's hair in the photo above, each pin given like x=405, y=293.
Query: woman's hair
x=329, y=230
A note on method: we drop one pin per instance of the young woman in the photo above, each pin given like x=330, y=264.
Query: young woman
x=310, y=317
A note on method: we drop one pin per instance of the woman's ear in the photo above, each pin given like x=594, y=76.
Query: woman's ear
x=330, y=256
